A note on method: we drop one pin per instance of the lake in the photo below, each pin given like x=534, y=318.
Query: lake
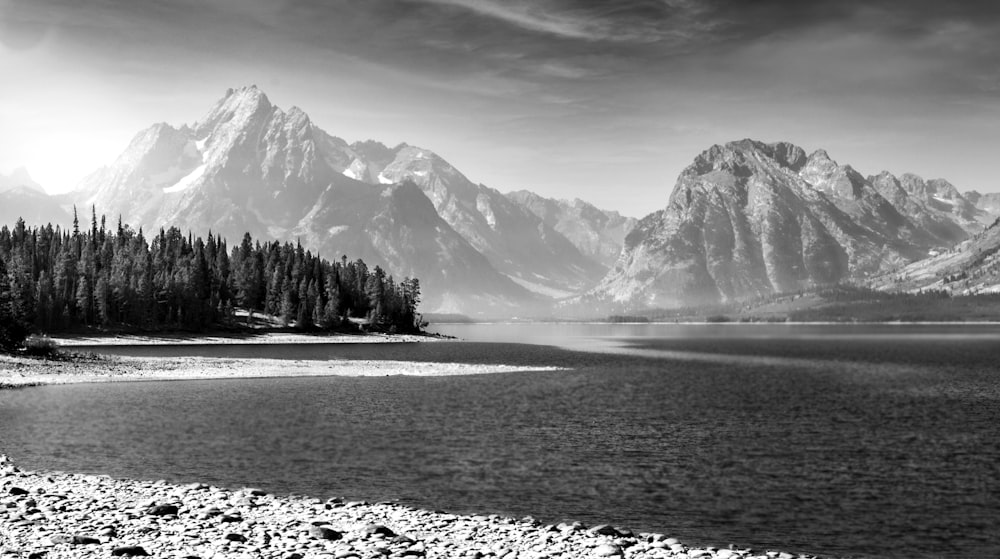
x=855, y=441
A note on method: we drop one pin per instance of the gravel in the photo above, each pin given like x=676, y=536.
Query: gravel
x=55, y=514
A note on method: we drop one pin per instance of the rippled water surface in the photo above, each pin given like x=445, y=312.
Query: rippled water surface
x=880, y=441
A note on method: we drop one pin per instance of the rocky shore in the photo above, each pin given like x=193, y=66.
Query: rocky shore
x=52, y=515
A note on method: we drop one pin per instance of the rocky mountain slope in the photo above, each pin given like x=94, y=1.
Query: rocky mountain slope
x=248, y=166
x=970, y=267
x=749, y=219
x=515, y=241
x=596, y=233
x=987, y=204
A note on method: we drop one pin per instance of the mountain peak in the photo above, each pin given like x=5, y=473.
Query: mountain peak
x=239, y=105
x=820, y=155
x=737, y=155
x=19, y=177
x=20, y=174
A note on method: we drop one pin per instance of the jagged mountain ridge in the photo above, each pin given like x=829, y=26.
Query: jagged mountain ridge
x=968, y=268
x=596, y=233
x=748, y=219
x=515, y=240
x=987, y=204
x=248, y=166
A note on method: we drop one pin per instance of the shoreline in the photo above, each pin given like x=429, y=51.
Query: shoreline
x=262, y=338
x=22, y=372
x=64, y=514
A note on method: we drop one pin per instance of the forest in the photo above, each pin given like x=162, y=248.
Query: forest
x=54, y=280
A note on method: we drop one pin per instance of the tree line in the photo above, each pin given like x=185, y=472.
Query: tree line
x=54, y=280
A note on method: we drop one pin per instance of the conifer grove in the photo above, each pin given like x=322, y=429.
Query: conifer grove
x=54, y=280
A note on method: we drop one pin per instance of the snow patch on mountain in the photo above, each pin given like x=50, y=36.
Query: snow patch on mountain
x=541, y=288
x=188, y=180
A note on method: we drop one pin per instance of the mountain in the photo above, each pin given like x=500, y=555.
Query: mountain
x=19, y=178
x=515, y=240
x=596, y=233
x=970, y=267
x=749, y=219
x=397, y=226
x=32, y=205
x=23, y=198
x=987, y=204
x=248, y=166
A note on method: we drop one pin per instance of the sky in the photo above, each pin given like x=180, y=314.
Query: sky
x=606, y=101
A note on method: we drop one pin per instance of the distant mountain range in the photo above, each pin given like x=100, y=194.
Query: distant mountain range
x=22, y=197
x=745, y=219
x=248, y=166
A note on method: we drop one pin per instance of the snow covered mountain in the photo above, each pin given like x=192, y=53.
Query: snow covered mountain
x=749, y=219
x=248, y=166
x=745, y=219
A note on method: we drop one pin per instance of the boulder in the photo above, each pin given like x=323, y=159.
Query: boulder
x=325, y=533
x=162, y=510
x=608, y=550
x=605, y=530
x=377, y=529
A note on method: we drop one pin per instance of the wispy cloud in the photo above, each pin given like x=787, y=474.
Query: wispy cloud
x=622, y=21
x=532, y=17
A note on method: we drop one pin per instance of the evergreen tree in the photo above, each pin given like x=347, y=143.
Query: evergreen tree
x=52, y=280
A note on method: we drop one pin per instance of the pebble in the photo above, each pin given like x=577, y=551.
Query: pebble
x=325, y=533
x=129, y=551
x=53, y=515
x=608, y=550
x=162, y=510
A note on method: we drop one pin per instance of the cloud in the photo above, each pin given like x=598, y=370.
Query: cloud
x=531, y=18
x=623, y=21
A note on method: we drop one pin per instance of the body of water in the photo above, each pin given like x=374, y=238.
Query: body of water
x=874, y=441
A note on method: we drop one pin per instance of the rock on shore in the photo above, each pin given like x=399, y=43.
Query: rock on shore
x=56, y=514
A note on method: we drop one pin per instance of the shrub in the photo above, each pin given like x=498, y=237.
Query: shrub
x=12, y=334
x=41, y=346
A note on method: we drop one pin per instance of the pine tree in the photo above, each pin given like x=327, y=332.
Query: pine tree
x=53, y=279
x=12, y=328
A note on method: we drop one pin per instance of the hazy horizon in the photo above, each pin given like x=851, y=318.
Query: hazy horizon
x=605, y=102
